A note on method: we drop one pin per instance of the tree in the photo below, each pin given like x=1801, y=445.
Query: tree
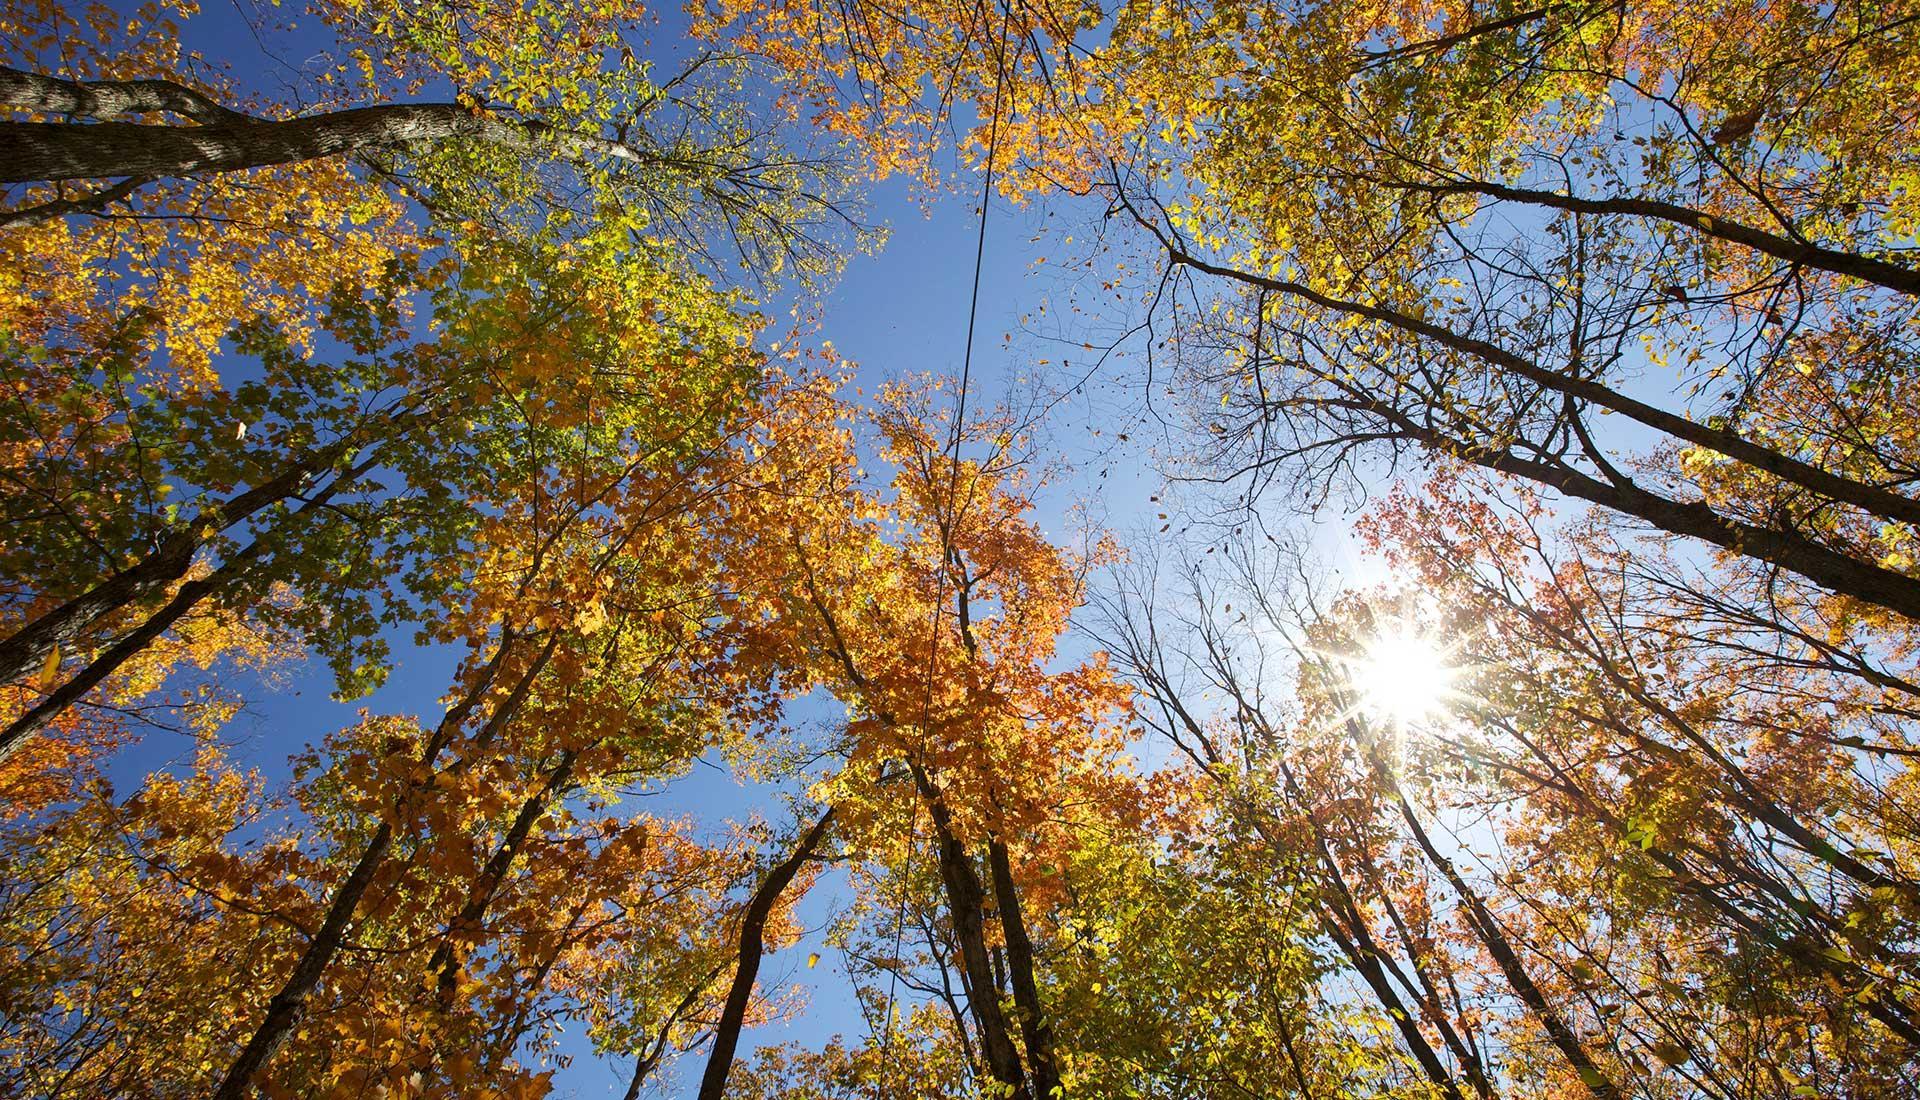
x=931, y=613
x=1524, y=873
x=1469, y=232
x=365, y=488
x=408, y=910
x=118, y=303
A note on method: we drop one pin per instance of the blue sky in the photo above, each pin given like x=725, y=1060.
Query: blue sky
x=899, y=312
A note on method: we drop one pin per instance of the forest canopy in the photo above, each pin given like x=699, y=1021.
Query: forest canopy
x=472, y=364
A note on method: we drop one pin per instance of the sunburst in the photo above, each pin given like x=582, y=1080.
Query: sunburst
x=1401, y=677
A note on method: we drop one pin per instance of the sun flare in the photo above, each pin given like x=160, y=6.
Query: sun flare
x=1403, y=678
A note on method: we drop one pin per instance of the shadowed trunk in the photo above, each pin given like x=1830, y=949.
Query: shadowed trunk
x=966, y=905
x=1494, y=939
x=1035, y=1032
x=185, y=599
x=283, y=1010
x=60, y=627
x=753, y=930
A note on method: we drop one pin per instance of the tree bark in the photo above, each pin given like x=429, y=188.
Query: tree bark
x=1035, y=1032
x=1828, y=568
x=32, y=152
x=1358, y=945
x=753, y=927
x=44, y=152
x=185, y=599
x=966, y=905
x=103, y=99
x=444, y=964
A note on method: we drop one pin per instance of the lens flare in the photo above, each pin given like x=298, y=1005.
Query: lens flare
x=1403, y=678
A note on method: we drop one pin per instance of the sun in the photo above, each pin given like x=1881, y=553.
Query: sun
x=1402, y=677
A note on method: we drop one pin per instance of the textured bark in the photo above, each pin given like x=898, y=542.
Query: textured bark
x=35, y=152
x=753, y=930
x=93, y=202
x=103, y=99
x=45, y=151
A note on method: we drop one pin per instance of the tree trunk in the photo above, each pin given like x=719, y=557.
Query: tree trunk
x=1791, y=249
x=966, y=905
x=446, y=958
x=23, y=651
x=1826, y=567
x=1358, y=945
x=1035, y=1032
x=32, y=152
x=184, y=600
x=227, y=141
x=1494, y=939
x=1821, y=482
x=283, y=1010
x=753, y=928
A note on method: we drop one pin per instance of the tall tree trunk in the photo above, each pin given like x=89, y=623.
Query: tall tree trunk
x=283, y=1010
x=1035, y=1032
x=1341, y=919
x=185, y=599
x=966, y=905
x=1336, y=909
x=1428, y=993
x=1493, y=938
x=649, y=1060
x=1818, y=954
x=444, y=964
x=33, y=152
x=753, y=930
x=1830, y=569
x=1792, y=249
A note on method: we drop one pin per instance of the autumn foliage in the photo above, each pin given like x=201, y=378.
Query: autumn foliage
x=450, y=349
